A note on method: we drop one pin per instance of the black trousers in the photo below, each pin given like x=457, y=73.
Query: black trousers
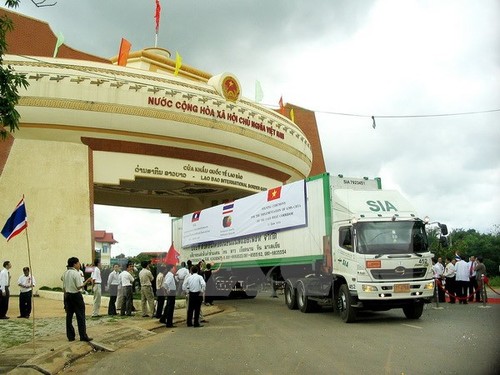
x=25, y=303
x=451, y=288
x=4, y=302
x=160, y=303
x=168, y=314
x=74, y=304
x=472, y=287
x=194, y=307
x=113, y=293
x=127, y=301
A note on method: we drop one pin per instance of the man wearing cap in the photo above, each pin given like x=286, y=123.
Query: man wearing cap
x=73, y=300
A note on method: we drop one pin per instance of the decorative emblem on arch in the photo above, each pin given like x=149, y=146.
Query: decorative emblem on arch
x=227, y=86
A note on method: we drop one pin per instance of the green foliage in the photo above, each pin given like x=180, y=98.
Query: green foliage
x=10, y=81
x=495, y=282
x=470, y=242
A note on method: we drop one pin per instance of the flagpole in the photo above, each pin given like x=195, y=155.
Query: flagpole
x=32, y=291
x=156, y=40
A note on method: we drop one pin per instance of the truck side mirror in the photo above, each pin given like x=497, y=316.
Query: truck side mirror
x=443, y=241
x=443, y=228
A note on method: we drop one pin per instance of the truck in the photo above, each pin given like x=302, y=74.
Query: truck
x=331, y=241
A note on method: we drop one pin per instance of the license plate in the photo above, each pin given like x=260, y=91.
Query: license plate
x=401, y=288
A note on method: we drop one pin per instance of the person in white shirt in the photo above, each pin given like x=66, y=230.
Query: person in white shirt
x=26, y=283
x=449, y=274
x=180, y=276
x=472, y=277
x=462, y=279
x=438, y=270
x=96, y=287
x=171, y=291
x=126, y=280
x=195, y=286
x=4, y=289
x=113, y=282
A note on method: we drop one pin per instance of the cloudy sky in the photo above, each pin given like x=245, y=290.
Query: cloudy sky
x=400, y=61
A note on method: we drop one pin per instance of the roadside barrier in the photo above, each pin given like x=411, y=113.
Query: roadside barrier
x=482, y=291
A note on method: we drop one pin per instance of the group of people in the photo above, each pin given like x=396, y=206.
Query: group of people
x=25, y=282
x=461, y=279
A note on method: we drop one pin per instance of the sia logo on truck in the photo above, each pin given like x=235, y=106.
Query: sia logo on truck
x=377, y=206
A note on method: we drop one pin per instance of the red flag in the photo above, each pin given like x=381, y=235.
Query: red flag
x=124, y=51
x=282, y=107
x=157, y=15
x=172, y=256
x=274, y=194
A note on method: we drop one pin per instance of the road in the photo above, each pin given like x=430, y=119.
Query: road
x=262, y=336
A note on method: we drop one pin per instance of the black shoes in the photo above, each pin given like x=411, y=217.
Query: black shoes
x=86, y=339
x=171, y=326
x=198, y=325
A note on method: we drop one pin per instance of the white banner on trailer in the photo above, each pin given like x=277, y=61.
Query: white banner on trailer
x=271, y=210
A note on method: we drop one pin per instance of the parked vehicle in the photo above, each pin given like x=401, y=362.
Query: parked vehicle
x=331, y=241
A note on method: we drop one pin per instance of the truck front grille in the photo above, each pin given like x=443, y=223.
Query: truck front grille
x=399, y=273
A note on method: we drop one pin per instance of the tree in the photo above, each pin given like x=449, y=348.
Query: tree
x=10, y=81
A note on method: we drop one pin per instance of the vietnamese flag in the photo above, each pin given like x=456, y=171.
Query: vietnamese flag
x=124, y=51
x=172, y=256
x=274, y=194
x=157, y=16
x=282, y=107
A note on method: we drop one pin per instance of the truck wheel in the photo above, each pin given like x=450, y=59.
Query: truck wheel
x=344, y=301
x=414, y=310
x=303, y=302
x=290, y=299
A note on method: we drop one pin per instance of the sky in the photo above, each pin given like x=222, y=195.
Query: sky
x=427, y=70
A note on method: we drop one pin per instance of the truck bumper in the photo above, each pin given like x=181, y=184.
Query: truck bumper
x=367, y=292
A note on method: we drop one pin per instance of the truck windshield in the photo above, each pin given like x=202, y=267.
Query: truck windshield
x=391, y=237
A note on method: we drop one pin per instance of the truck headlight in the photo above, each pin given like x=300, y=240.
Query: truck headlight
x=368, y=288
x=429, y=285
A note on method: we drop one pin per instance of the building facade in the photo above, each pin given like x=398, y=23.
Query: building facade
x=93, y=132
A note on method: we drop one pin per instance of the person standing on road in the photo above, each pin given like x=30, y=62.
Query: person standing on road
x=462, y=279
x=449, y=274
x=472, y=277
x=209, y=280
x=195, y=286
x=113, y=282
x=480, y=271
x=160, y=294
x=438, y=270
x=180, y=275
x=126, y=281
x=73, y=300
x=26, y=283
x=4, y=289
x=147, y=297
x=171, y=291
x=96, y=287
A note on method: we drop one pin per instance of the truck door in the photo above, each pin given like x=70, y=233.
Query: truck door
x=344, y=258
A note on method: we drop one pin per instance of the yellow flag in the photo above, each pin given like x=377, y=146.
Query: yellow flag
x=178, y=63
x=292, y=115
x=59, y=43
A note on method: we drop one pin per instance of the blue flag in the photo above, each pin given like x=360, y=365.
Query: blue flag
x=17, y=222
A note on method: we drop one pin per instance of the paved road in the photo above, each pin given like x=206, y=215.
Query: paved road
x=262, y=336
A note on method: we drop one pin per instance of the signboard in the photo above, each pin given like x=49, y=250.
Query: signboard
x=271, y=210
